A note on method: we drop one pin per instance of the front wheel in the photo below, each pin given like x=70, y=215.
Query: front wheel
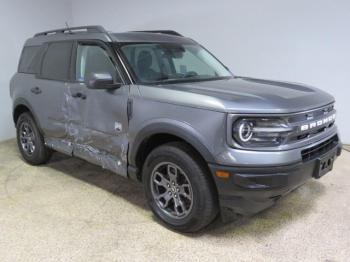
x=178, y=188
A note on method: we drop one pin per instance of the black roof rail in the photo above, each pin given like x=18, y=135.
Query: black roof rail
x=71, y=30
x=167, y=32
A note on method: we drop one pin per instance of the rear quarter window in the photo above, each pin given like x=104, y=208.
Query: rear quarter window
x=30, y=60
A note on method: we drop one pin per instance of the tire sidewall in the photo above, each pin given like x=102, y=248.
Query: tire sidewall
x=182, y=161
x=37, y=154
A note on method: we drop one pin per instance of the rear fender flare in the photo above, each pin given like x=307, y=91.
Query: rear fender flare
x=23, y=102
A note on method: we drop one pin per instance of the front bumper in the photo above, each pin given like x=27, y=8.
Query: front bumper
x=249, y=190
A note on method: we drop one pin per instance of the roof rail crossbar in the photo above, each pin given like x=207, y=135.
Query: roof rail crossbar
x=167, y=32
x=70, y=30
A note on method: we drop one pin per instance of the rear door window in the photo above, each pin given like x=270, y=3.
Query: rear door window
x=56, y=62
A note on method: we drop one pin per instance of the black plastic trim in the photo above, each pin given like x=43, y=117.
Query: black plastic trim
x=23, y=102
x=166, y=128
x=249, y=190
x=70, y=30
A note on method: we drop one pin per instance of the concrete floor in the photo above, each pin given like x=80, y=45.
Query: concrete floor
x=347, y=147
x=70, y=210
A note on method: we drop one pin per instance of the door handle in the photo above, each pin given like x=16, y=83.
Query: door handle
x=35, y=90
x=79, y=95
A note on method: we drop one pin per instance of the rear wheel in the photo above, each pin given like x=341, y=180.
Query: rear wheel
x=178, y=188
x=30, y=141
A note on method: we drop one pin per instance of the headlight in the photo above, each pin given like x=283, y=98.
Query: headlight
x=245, y=131
x=260, y=132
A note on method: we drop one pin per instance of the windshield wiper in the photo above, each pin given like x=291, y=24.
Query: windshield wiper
x=162, y=78
x=180, y=80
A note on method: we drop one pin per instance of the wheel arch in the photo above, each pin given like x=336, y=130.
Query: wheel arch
x=158, y=133
x=20, y=106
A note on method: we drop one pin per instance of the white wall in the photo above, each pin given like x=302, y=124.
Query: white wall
x=295, y=40
x=19, y=20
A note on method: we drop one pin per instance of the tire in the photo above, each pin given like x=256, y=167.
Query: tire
x=193, y=202
x=30, y=141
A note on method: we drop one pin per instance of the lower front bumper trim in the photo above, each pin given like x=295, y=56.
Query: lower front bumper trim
x=250, y=190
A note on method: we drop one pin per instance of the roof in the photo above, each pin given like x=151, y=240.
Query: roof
x=99, y=33
x=149, y=37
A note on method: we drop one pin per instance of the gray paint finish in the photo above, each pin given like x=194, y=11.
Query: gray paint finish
x=241, y=95
x=97, y=126
x=93, y=126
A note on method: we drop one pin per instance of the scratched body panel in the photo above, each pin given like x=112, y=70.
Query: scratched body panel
x=95, y=127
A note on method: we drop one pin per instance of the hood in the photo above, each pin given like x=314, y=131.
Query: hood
x=241, y=95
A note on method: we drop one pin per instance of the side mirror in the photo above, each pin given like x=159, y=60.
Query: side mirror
x=102, y=81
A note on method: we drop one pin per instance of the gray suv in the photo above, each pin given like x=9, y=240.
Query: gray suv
x=159, y=108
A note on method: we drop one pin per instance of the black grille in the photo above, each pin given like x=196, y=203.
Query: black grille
x=320, y=149
x=317, y=115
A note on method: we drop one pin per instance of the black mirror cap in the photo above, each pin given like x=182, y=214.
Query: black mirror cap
x=102, y=81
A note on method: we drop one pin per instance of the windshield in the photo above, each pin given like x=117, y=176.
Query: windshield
x=160, y=63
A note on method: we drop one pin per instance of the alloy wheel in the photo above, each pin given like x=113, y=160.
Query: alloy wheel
x=27, y=138
x=172, y=190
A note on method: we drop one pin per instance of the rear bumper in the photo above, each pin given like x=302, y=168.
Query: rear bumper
x=249, y=190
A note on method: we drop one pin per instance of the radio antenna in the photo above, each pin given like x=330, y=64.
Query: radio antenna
x=70, y=31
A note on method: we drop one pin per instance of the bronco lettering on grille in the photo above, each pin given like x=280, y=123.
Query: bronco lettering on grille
x=318, y=123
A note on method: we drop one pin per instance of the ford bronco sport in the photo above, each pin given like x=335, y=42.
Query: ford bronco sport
x=157, y=107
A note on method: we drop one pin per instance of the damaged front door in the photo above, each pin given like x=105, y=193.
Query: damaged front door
x=98, y=121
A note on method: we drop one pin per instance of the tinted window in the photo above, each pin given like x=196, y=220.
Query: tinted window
x=30, y=60
x=94, y=59
x=56, y=62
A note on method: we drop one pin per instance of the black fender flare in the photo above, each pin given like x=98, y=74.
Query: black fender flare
x=170, y=127
x=23, y=102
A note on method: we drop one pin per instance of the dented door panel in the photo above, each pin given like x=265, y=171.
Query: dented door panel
x=47, y=104
x=97, y=125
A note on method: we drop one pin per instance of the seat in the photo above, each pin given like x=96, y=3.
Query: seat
x=144, y=63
